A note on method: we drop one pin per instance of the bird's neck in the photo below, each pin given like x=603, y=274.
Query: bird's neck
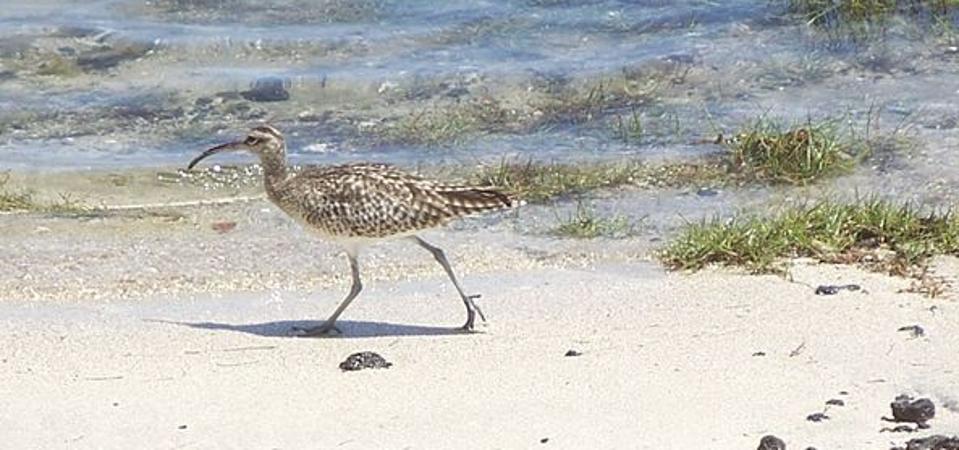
x=274, y=170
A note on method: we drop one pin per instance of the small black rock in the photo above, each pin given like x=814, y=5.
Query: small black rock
x=707, y=192
x=181, y=427
x=268, y=89
x=572, y=352
x=835, y=402
x=915, y=330
x=817, y=417
x=918, y=411
x=770, y=442
x=829, y=289
x=364, y=360
x=543, y=440
x=899, y=429
x=936, y=442
x=759, y=354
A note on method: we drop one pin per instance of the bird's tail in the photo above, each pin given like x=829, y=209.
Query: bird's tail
x=465, y=200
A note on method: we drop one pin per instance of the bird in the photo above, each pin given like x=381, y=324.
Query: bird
x=360, y=204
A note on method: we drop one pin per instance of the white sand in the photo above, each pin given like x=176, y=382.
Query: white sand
x=668, y=362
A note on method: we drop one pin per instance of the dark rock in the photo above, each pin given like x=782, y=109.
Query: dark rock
x=707, y=192
x=543, y=440
x=759, y=354
x=268, y=89
x=181, y=427
x=829, y=289
x=835, y=402
x=770, y=442
x=364, y=360
x=906, y=409
x=936, y=442
x=915, y=330
x=572, y=352
x=817, y=417
x=106, y=58
x=899, y=429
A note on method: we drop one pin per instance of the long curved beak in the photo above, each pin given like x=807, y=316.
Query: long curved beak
x=219, y=148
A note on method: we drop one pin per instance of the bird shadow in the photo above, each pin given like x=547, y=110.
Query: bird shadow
x=350, y=328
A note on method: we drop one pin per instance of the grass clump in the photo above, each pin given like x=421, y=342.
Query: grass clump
x=580, y=104
x=584, y=223
x=764, y=151
x=538, y=182
x=22, y=200
x=13, y=200
x=837, y=12
x=446, y=125
x=897, y=239
x=629, y=128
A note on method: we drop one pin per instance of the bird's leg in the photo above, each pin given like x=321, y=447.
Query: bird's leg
x=329, y=327
x=471, y=308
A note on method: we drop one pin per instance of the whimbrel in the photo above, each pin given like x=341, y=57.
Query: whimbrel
x=360, y=204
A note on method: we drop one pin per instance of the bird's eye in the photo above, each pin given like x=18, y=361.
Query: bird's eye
x=252, y=140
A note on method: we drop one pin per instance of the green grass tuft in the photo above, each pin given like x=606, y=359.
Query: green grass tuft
x=837, y=12
x=22, y=200
x=538, y=182
x=584, y=223
x=765, y=151
x=898, y=237
x=13, y=200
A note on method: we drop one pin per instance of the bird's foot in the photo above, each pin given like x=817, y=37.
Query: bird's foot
x=325, y=330
x=472, y=310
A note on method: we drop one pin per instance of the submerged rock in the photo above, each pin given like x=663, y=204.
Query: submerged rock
x=268, y=89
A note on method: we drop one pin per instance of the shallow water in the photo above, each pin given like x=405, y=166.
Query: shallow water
x=115, y=84
x=354, y=56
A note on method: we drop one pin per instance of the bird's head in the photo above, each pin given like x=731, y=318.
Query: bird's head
x=263, y=140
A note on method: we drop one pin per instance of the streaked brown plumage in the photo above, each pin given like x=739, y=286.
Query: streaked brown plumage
x=358, y=204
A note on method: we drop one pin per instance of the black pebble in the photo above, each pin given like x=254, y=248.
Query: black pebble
x=817, y=417
x=543, y=440
x=572, y=352
x=759, y=354
x=364, y=360
x=829, y=289
x=707, y=192
x=905, y=409
x=936, y=442
x=835, y=402
x=181, y=427
x=915, y=330
x=770, y=442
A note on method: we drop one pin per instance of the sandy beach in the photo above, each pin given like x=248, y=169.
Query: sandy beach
x=710, y=360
